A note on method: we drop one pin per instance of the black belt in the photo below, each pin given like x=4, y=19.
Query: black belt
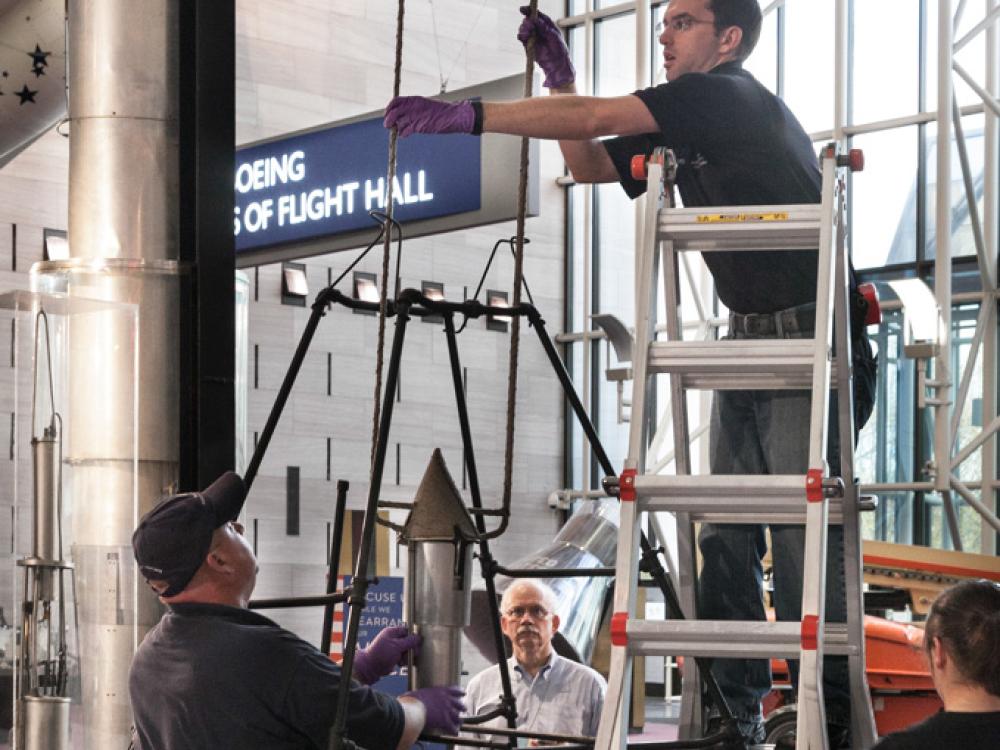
x=794, y=320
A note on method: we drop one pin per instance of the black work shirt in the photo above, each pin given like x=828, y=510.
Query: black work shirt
x=736, y=144
x=212, y=677
x=948, y=729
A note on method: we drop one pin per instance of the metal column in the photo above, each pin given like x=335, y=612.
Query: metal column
x=123, y=236
x=942, y=264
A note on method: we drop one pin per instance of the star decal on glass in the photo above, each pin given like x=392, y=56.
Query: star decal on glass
x=26, y=94
x=38, y=70
x=38, y=57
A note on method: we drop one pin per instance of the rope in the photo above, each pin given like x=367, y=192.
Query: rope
x=515, y=329
x=465, y=43
x=387, y=243
x=522, y=195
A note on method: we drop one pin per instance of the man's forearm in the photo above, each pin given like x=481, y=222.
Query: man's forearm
x=587, y=160
x=568, y=117
x=414, y=716
x=575, y=121
x=553, y=117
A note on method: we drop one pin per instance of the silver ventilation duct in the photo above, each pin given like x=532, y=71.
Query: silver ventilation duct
x=588, y=540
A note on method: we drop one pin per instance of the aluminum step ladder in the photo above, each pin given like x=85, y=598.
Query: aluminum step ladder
x=814, y=499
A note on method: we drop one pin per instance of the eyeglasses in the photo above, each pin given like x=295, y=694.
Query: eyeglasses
x=537, y=612
x=679, y=23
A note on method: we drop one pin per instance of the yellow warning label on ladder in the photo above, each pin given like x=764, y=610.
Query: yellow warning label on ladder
x=738, y=218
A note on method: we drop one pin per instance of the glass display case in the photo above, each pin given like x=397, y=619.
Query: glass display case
x=67, y=577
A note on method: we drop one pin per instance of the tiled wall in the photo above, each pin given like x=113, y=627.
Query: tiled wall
x=301, y=63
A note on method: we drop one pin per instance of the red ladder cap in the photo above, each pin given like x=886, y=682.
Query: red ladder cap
x=809, y=632
x=626, y=486
x=814, y=485
x=637, y=167
x=619, y=622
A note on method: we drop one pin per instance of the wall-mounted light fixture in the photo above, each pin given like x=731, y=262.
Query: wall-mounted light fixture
x=618, y=335
x=55, y=246
x=432, y=290
x=366, y=289
x=497, y=322
x=620, y=338
x=294, y=285
x=922, y=318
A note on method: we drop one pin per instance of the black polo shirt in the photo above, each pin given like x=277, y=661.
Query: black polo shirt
x=948, y=729
x=212, y=676
x=736, y=144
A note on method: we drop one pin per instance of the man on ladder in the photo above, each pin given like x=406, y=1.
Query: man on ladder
x=736, y=144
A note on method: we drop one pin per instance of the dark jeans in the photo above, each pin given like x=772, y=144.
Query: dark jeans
x=767, y=432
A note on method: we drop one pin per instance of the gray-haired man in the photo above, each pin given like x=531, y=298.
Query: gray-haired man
x=553, y=694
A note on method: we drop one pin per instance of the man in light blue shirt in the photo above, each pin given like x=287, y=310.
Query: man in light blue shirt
x=553, y=694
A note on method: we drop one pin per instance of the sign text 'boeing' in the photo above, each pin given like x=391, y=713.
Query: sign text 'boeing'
x=325, y=182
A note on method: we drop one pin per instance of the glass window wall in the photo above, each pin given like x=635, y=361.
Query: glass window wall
x=891, y=110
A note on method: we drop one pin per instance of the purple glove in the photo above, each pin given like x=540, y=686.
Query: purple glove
x=384, y=654
x=443, y=705
x=551, y=52
x=418, y=114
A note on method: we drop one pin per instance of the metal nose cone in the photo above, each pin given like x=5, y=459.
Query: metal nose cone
x=438, y=512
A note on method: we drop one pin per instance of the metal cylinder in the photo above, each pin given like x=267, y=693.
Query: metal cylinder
x=124, y=239
x=45, y=723
x=123, y=68
x=46, y=489
x=440, y=598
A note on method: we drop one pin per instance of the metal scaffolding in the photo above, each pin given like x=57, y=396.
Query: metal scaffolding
x=944, y=392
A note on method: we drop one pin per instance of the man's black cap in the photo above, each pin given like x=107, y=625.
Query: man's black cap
x=172, y=540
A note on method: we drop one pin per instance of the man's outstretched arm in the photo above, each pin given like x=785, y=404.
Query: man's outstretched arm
x=574, y=121
x=587, y=160
x=569, y=117
x=566, y=117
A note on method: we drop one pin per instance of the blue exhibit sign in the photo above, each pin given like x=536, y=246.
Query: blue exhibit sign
x=384, y=609
x=323, y=183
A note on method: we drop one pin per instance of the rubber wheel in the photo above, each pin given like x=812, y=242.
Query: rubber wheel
x=779, y=729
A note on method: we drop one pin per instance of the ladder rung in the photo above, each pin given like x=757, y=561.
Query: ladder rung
x=743, y=364
x=748, y=382
x=742, y=486
x=778, y=349
x=788, y=227
x=737, y=498
x=729, y=638
x=737, y=512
